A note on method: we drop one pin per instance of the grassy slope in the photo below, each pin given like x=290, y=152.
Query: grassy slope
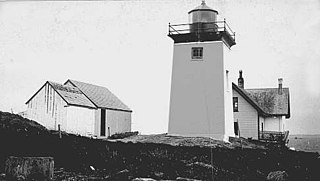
x=22, y=137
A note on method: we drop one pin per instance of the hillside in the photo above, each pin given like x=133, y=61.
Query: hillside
x=151, y=156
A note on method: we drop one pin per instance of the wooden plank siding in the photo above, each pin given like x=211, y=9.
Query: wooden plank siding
x=118, y=121
x=47, y=108
x=80, y=120
x=247, y=117
x=50, y=110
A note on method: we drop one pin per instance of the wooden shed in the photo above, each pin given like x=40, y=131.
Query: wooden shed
x=79, y=108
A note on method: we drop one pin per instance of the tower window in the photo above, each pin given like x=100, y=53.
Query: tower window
x=235, y=104
x=197, y=53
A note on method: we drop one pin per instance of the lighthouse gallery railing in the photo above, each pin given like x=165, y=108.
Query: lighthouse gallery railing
x=218, y=26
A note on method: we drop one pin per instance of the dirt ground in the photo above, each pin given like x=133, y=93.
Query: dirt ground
x=161, y=157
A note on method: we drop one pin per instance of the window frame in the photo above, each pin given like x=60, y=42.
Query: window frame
x=197, y=53
x=235, y=104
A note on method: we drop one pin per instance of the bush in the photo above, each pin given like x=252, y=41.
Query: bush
x=123, y=135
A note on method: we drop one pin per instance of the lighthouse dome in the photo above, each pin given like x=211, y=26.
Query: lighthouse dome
x=202, y=14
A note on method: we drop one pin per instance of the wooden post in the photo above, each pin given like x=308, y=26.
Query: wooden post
x=28, y=168
x=60, y=136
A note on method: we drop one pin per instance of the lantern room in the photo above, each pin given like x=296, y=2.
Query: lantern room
x=203, y=26
x=203, y=18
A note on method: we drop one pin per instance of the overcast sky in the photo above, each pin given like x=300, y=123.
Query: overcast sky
x=123, y=45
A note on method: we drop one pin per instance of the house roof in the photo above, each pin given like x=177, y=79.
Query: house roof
x=72, y=95
x=267, y=101
x=101, y=97
x=270, y=101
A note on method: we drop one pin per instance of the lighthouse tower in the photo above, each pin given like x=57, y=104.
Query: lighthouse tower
x=201, y=94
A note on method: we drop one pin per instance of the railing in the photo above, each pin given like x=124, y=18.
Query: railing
x=274, y=136
x=218, y=26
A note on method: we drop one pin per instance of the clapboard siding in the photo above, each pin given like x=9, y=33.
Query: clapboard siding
x=50, y=110
x=247, y=118
x=47, y=108
x=80, y=120
x=118, y=121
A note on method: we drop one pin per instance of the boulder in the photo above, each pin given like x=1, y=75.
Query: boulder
x=185, y=179
x=143, y=179
x=277, y=176
x=29, y=168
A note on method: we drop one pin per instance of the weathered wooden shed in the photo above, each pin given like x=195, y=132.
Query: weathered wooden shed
x=79, y=108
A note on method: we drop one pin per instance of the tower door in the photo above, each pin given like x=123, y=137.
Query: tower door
x=103, y=123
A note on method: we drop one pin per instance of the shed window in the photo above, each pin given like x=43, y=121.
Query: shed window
x=235, y=104
x=197, y=53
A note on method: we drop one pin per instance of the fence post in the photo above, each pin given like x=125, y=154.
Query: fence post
x=60, y=136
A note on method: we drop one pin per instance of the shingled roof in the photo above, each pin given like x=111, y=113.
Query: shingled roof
x=86, y=95
x=267, y=101
x=72, y=95
x=101, y=97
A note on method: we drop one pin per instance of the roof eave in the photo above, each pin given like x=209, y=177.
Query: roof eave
x=250, y=101
x=78, y=105
x=125, y=110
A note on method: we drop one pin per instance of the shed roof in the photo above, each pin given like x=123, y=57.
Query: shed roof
x=101, y=97
x=267, y=101
x=72, y=95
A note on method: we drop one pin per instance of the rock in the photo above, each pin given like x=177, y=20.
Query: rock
x=20, y=178
x=92, y=168
x=143, y=179
x=185, y=179
x=28, y=168
x=122, y=175
x=277, y=176
x=158, y=174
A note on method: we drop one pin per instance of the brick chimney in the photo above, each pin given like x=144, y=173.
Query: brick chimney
x=280, y=86
x=240, y=80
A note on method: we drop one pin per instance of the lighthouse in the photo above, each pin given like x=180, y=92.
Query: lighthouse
x=201, y=94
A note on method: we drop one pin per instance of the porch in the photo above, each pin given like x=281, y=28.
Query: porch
x=274, y=136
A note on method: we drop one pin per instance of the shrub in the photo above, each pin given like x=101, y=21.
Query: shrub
x=123, y=135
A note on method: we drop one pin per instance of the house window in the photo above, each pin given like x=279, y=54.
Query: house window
x=235, y=104
x=197, y=53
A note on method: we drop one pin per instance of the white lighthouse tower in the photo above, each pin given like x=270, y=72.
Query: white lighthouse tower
x=201, y=94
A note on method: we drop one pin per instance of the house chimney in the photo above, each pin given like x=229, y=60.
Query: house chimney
x=240, y=80
x=280, y=86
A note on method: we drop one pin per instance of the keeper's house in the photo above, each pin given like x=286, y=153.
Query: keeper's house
x=261, y=113
x=79, y=108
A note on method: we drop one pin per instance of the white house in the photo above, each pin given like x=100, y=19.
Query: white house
x=262, y=111
x=79, y=108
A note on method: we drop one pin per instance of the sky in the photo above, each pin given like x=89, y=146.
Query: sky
x=123, y=45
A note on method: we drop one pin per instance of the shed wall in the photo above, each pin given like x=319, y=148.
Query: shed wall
x=50, y=110
x=118, y=121
x=47, y=108
x=80, y=121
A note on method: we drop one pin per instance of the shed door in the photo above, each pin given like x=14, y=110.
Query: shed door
x=103, y=123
